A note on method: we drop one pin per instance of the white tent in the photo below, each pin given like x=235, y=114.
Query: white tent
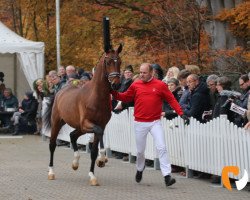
x=21, y=61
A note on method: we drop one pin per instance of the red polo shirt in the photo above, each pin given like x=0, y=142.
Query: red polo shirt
x=148, y=98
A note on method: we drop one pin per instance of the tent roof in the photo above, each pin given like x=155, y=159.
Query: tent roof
x=10, y=42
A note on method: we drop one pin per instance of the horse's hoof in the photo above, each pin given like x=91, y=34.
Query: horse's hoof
x=51, y=176
x=93, y=182
x=100, y=163
x=74, y=167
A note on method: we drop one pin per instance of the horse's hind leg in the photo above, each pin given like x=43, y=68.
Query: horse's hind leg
x=93, y=155
x=56, y=126
x=74, y=135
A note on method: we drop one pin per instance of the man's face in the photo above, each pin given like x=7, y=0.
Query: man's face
x=6, y=93
x=128, y=74
x=145, y=74
x=243, y=85
x=191, y=83
x=212, y=86
x=62, y=71
x=183, y=82
x=55, y=80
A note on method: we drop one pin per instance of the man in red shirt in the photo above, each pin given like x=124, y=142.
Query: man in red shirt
x=148, y=94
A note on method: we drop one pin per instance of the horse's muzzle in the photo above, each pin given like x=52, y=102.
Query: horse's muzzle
x=115, y=86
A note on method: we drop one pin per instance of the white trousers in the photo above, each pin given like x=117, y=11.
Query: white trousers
x=156, y=130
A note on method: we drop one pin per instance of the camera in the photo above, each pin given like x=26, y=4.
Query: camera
x=228, y=102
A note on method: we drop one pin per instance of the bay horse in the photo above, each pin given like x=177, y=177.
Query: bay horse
x=87, y=109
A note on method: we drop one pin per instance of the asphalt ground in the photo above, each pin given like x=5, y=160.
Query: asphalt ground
x=24, y=168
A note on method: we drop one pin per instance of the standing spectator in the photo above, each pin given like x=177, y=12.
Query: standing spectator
x=126, y=82
x=39, y=93
x=157, y=71
x=174, y=87
x=221, y=108
x=193, y=69
x=62, y=73
x=57, y=83
x=182, y=77
x=70, y=70
x=171, y=73
x=244, y=83
x=213, y=93
x=148, y=94
x=199, y=98
x=247, y=126
x=213, y=96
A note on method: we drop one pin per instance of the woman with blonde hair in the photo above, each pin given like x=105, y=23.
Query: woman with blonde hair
x=171, y=73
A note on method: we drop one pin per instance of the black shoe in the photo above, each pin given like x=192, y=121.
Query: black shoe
x=15, y=133
x=138, y=176
x=169, y=180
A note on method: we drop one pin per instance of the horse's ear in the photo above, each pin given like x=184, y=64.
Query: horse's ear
x=119, y=50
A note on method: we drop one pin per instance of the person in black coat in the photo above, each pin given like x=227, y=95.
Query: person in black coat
x=174, y=87
x=225, y=93
x=28, y=112
x=119, y=106
x=199, y=98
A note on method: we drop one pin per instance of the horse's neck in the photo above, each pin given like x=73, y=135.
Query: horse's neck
x=100, y=81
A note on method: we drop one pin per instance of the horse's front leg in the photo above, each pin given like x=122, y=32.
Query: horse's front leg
x=74, y=135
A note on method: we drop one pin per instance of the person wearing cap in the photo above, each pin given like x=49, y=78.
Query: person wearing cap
x=148, y=94
x=126, y=82
x=26, y=115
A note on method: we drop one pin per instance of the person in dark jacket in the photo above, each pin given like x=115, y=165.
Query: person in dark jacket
x=174, y=87
x=221, y=108
x=126, y=82
x=27, y=116
x=185, y=97
x=199, y=98
x=244, y=83
x=8, y=101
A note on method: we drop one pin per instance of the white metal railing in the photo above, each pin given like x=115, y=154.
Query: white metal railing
x=203, y=147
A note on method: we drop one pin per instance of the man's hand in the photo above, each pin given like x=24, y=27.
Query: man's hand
x=186, y=119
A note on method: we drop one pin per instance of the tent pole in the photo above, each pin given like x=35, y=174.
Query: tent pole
x=58, y=34
x=15, y=74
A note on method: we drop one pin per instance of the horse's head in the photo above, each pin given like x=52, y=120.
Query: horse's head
x=112, y=63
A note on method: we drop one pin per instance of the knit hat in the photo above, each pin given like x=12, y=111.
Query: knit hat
x=129, y=68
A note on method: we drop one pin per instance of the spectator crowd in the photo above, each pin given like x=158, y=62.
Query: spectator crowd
x=201, y=97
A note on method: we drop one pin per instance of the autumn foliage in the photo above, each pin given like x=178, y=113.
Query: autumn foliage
x=167, y=32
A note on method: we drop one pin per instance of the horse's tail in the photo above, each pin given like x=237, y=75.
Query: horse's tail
x=47, y=112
